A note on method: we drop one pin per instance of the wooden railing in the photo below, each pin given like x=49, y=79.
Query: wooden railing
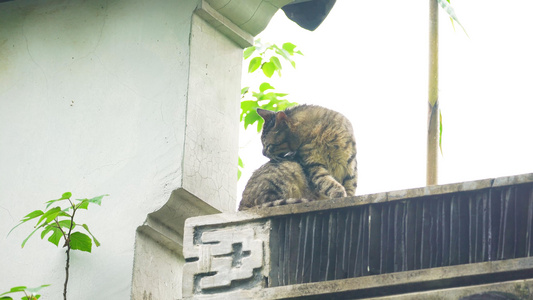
x=296, y=250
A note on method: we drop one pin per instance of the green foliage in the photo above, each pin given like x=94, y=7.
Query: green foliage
x=265, y=57
x=60, y=222
x=240, y=166
x=446, y=5
x=266, y=98
x=29, y=293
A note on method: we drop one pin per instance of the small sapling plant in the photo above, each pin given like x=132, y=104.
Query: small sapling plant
x=29, y=293
x=58, y=221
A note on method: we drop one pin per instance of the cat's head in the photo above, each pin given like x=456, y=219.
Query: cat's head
x=278, y=136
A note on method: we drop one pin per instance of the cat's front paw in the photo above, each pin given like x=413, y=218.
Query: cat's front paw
x=336, y=190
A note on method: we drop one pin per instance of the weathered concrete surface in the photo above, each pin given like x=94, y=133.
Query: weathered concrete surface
x=93, y=98
x=135, y=99
x=396, y=283
x=251, y=16
x=211, y=137
x=521, y=289
x=393, y=195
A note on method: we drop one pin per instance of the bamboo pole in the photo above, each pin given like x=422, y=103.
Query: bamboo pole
x=433, y=95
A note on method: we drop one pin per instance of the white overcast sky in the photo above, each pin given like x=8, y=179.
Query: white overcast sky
x=369, y=60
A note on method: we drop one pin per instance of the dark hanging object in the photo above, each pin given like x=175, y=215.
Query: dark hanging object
x=309, y=14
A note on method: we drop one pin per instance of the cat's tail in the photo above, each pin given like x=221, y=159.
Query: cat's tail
x=282, y=202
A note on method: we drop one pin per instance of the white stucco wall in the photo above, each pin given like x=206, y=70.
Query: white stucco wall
x=93, y=100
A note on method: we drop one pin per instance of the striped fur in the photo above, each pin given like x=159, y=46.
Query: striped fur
x=320, y=141
x=276, y=183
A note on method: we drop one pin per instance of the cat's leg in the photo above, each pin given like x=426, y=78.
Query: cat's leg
x=324, y=183
x=350, y=181
x=350, y=184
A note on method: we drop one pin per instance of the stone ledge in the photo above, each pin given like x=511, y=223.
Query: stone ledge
x=522, y=289
x=399, y=195
x=166, y=225
x=420, y=281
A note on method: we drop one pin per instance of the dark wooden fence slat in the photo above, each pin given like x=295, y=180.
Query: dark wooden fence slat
x=425, y=232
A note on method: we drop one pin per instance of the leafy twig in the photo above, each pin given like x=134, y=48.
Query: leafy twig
x=29, y=293
x=50, y=221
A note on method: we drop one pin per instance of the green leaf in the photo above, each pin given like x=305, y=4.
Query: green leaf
x=36, y=289
x=244, y=90
x=96, y=242
x=48, y=203
x=268, y=69
x=56, y=237
x=445, y=4
x=98, y=199
x=285, y=55
x=265, y=86
x=50, y=215
x=85, y=202
x=65, y=196
x=248, y=51
x=34, y=214
x=240, y=165
x=251, y=118
x=57, y=234
x=258, y=96
x=255, y=63
x=14, y=290
x=47, y=229
x=64, y=213
x=246, y=107
x=80, y=241
x=276, y=63
x=284, y=104
x=289, y=47
x=26, y=239
x=66, y=224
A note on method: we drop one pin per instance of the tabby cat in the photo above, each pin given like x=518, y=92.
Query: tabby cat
x=276, y=183
x=312, y=155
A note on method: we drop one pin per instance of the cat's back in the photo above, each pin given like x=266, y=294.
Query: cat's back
x=326, y=141
x=273, y=181
x=314, y=117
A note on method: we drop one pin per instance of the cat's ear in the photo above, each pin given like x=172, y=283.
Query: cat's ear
x=281, y=117
x=265, y=114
